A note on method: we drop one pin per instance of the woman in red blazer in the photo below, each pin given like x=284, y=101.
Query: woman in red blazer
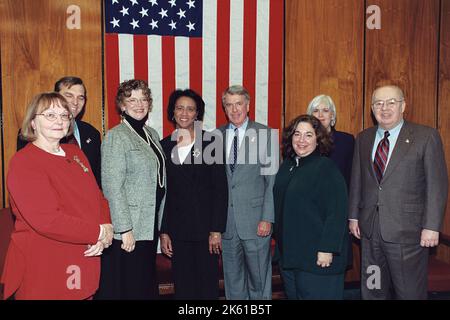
x=62, y=219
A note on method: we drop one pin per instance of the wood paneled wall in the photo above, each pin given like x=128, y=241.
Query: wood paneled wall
x=443, y=110
x=37, y=49
x=405, y=52
x=324, y=55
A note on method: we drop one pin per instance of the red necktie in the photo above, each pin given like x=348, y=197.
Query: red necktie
x=381, y=156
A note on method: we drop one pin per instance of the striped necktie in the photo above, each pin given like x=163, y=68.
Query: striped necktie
x=381, y=156
x=234, y=150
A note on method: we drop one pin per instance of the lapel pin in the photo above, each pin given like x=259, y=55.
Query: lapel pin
x=196, y=153
x=88, y=140
x=407, y=140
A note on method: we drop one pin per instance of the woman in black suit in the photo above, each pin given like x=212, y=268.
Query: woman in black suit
x=324, y=109
x=197, y=200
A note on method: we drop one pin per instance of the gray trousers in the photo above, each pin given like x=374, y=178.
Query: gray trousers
x=247, y=268
x=403, y=268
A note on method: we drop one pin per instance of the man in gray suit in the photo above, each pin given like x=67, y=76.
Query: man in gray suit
x=398, y=194
x=251, y=150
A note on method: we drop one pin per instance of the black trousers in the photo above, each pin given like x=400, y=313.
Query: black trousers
x=129, y=275
x=392, y=268
x=195, y=271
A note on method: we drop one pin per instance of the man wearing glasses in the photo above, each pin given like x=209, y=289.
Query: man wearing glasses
x=84, y=135
x=398, y=193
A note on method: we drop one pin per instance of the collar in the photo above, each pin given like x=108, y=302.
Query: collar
x=394, y=131
x=243, y=127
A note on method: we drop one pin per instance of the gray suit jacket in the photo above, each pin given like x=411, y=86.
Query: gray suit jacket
x=129, y=181
x=413, y=191
x=250, y=193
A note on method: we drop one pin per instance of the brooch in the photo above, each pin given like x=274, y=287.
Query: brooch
x=77, y=160
x=196, y=153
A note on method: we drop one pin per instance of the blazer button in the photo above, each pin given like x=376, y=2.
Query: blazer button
x=379, y=188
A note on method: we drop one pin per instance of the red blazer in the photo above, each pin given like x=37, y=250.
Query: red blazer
x=58, y=208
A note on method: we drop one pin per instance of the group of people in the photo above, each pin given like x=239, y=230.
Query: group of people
x=89, y=214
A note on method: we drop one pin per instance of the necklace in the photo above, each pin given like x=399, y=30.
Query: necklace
x=148, y=141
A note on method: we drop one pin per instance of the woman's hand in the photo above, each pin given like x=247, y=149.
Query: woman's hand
x=108, y=235
x=166, y=244
x=324, y=259
x=215, y=242
x=128, y=242
x=94, y=250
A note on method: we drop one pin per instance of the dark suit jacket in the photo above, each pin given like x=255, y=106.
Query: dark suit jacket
x=342, y=153
x=413, y=191
x=197, y=195
x=90, y=144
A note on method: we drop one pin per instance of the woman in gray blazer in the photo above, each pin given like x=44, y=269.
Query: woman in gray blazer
x=134, y=182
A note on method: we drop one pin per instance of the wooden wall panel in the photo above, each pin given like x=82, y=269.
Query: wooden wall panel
x=404, y=52
x=444, y=106
x=37, y=49
x=324, y=54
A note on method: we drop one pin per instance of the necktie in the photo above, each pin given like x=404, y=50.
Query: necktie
x=234, y=150
x=381, y=156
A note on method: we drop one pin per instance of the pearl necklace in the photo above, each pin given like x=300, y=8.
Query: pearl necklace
x=148, y=141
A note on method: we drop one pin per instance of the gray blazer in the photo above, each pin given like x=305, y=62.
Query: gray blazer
x=250, y=193
x=129, y=181
x=413, y=192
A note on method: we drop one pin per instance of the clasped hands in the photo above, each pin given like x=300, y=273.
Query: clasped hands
x=103, y=242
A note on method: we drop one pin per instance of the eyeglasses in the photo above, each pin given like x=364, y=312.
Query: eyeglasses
x=135, y=102
x=190, y=109
x=389, y=103
x=238, y=104
x=53, y=116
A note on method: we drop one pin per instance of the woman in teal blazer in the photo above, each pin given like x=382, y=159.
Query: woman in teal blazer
x=134, y=182
x=310, y=214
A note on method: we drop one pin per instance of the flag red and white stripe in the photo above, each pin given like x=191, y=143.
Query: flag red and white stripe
x=241, y=43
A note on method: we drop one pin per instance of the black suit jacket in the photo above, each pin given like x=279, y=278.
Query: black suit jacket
x=342, y=153
x=197, y=195
x=90, y=144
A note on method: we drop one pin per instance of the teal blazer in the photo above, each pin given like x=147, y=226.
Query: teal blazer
x=311, y=214
x=129, y=181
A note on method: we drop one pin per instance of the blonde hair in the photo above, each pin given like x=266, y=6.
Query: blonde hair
x=39, y=104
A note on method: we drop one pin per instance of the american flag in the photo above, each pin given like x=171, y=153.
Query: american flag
x=203, y=45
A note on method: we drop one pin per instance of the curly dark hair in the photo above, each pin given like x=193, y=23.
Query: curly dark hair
x=125, y=88
x=175, y=95
x=324, y=141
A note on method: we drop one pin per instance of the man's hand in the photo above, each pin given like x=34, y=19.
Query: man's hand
x=429, y=238
x=264, y=228
x=354, y=228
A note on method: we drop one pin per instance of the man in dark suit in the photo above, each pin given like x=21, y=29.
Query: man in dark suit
x=398, y=193
x=84, y=135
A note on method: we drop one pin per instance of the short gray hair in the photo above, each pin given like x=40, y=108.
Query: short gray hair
x=236, y=89
x=326, y=100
